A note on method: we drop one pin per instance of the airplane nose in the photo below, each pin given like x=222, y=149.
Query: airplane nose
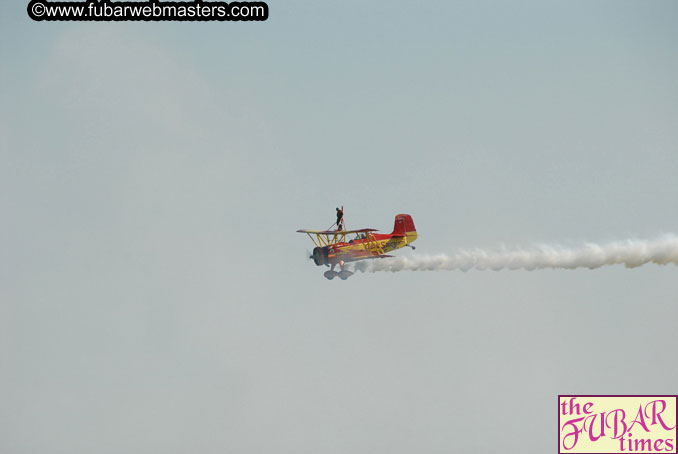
x=320, y=255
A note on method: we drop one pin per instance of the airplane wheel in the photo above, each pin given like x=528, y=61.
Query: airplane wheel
x=345, y=275
x=330, y=274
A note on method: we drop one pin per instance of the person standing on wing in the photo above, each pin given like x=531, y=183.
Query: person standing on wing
x=340, y=218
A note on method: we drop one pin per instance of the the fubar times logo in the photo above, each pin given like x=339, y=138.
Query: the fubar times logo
x=617, y=424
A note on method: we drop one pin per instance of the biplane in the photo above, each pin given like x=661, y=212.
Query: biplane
x=341, y=246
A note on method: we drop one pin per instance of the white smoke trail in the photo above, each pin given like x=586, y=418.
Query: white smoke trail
x=630, y=253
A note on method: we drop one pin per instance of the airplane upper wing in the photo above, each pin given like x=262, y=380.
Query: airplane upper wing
x=336, y=232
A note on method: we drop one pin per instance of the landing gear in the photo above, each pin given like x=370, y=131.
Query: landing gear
x=345, y=274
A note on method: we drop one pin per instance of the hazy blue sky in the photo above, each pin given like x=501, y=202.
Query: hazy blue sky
x=154, y=296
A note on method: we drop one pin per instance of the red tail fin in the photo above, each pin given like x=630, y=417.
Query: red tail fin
x=403, y=224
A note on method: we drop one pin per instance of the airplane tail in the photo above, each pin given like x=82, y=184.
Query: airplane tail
x=404, y=225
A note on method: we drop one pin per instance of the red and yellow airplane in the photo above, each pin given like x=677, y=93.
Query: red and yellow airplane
x=332, y=247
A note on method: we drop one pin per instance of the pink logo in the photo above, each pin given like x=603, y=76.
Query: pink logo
x=617, y=424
